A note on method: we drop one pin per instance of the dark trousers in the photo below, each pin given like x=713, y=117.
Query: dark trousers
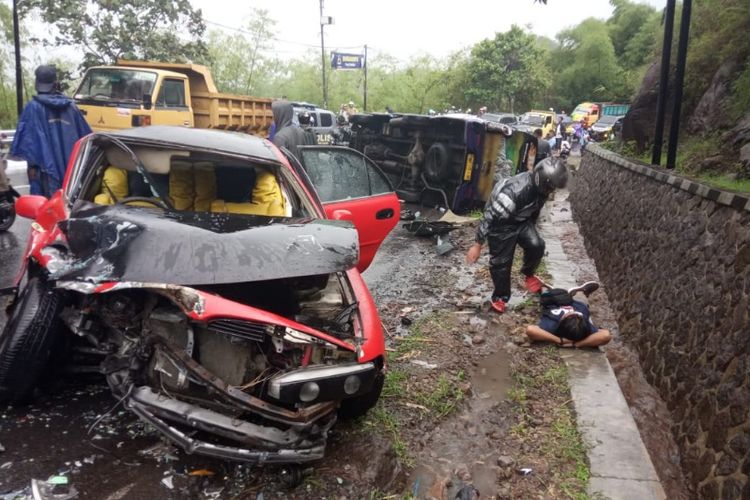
x=502, y=240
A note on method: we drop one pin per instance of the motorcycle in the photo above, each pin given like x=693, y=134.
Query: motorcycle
x=8, y=197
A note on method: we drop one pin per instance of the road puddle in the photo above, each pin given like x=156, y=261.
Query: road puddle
x=459, y=454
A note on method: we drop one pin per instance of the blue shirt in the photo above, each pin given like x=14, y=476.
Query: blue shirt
x=551, y=317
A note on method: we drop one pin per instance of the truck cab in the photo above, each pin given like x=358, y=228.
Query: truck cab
x=586, y=111
x=114, y=98
x=537, y=119
x=139, y=93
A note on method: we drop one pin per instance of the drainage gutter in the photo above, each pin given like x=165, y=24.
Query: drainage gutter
x=620, y=465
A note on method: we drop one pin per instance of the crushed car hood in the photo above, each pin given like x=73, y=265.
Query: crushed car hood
x=117, y=243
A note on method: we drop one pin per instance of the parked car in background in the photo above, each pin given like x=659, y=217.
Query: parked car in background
x=214, y=281
x=506, y=118
x=604, y=129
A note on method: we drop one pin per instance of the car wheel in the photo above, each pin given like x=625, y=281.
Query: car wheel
x=27, y=339
x=437, y=163
x=359, y=405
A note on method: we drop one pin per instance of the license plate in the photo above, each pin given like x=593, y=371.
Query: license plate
x=469, y=166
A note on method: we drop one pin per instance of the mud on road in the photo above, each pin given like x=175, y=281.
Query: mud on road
x=466, y=405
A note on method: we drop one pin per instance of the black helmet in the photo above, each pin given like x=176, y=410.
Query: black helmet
x=550, y=174
x=304, y=117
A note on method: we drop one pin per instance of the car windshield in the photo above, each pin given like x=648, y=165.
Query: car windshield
x=608, y=119
x=116, y=84
x=532, y=119
x=192, y=181
x=500, y=118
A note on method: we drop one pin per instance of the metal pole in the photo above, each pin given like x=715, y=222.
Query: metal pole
x=19, y=72
x=679, y=77
x=661, y=102
x=323, y=57
x=364, y=106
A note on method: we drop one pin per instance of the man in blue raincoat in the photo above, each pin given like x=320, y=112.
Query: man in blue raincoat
x=47, y=130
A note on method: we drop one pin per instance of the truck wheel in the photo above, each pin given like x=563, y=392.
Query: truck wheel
x=27, y=339
x=437, y=162
x=359, y=405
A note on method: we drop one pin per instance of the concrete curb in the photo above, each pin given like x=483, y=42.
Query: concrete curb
x=620, y=465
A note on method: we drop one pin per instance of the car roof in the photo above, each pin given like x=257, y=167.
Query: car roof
x=217, y=140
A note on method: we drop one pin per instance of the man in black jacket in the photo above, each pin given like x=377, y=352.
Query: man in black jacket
x=287, y=134
x=510, y=218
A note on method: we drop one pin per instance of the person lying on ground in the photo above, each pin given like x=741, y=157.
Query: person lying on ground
x=567, y=322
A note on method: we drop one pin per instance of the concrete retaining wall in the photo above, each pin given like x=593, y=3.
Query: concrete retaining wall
x=676, y=258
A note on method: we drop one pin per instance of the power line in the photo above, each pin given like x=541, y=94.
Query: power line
x=291, y=42
x=245, y=32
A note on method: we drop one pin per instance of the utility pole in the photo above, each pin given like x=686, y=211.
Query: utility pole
x=679, y=78
x=661, y=102
x=19, y=73
x=364, y=106
x=324, y=21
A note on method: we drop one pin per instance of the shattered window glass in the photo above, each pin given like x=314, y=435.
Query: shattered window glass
x=337, y=174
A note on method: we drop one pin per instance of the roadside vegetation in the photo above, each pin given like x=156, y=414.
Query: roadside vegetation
x=696, y=158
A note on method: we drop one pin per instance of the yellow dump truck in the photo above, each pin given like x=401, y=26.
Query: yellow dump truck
x=140, y=93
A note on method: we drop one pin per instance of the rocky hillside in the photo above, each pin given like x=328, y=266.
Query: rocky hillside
x=716, y=106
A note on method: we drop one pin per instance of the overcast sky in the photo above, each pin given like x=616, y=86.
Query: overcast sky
x=404, y=28
x=401, y=28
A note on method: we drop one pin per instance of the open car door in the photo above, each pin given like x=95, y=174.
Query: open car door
x=352, y=187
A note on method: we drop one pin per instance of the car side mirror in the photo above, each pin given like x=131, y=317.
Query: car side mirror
x=28, y=205
x=148, y=103
x=341, y=214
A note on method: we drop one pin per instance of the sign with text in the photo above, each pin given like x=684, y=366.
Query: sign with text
x=340, y=60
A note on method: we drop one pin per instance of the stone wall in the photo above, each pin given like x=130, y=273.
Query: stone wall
x=675, y=256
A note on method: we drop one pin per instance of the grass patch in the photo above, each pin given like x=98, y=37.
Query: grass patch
x=436, y=401
x=380, y=418
x=568, y=445
x=443, y=399
x=724, y=182
x=563, y=447
x=395, y=384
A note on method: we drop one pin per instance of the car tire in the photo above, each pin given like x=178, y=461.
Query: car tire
x=27, y=340
x=437, y=163
x=359, y=405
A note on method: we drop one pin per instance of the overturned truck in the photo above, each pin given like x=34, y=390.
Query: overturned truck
x=450, y=159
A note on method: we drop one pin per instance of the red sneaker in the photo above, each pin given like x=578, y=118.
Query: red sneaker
x=498, y=305
x=534, y=284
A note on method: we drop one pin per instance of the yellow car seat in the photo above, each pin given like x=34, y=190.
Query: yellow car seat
x=267, y=199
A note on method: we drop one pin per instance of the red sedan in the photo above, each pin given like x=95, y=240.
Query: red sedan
x=215, y=282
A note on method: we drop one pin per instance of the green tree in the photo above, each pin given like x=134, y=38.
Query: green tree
x=633, y=29
x=586, y=67
x=239, y=62
x=7, y=88
x=165, y=30
x=507, y=71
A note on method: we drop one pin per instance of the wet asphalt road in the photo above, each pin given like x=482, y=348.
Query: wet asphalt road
x=13, y=242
